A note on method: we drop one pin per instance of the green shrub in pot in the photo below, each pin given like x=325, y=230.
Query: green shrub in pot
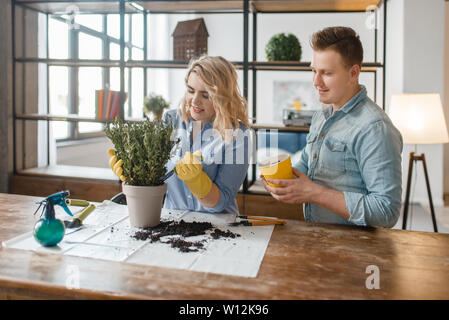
x=283, y=47
x=155, y=104
x=144, y=148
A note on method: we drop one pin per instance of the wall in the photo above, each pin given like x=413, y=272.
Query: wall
x=26, y=87
x=423, y=60
x=6, y=147
x=446, y=99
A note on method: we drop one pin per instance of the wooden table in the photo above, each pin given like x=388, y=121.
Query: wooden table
x=302, y=261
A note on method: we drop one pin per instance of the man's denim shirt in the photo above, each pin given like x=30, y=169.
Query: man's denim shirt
x=357, y=151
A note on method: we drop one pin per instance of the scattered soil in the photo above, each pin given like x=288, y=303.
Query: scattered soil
x=185, y=246
x=223, y=234
x=183, y=230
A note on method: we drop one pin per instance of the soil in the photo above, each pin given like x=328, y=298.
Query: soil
x=184, y=230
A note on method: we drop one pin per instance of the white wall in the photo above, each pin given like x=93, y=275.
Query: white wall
x=446, y=100
x=423, y=61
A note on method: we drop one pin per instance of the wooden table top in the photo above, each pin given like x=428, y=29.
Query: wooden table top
x=302, y=261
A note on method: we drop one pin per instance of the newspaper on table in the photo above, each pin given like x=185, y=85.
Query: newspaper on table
x=107, y=234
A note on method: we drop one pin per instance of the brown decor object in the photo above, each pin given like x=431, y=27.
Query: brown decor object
x=189, y=39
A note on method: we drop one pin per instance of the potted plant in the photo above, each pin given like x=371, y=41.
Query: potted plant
x=283, y=47
x=155, y=104
x=143, y=149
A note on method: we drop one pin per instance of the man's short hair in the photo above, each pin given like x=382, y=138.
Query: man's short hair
x=343, y=40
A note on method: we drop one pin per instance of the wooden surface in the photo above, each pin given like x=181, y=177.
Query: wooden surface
x=79, y=188
x=55, y=6
x=302, y=261
x=43, y=185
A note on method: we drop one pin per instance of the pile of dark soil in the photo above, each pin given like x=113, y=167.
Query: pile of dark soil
x=184, y=230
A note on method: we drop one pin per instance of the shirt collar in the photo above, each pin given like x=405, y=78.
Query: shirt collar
x=359, y=96
x=207, y=125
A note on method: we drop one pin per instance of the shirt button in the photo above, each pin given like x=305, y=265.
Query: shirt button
x=314, y=155
x=322, y=134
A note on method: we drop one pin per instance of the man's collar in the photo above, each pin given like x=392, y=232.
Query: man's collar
x=359, y=96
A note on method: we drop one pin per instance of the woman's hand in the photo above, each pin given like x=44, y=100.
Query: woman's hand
x=116, y=165
x=189, y=167
x=190, y=171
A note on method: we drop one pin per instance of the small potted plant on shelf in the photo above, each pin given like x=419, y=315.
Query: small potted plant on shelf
x=142, y=148
x=155, y=104
x=283, y=47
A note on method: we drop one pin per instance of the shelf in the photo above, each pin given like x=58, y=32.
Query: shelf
x=279, y=127
x=301, y=66
x=83, y=6
x=76, y=118
x=267, y=6
x=72, y=62
x=185, y=6
x=64, y=171
x=313, y=5
x=171, y=64
x=69, y=117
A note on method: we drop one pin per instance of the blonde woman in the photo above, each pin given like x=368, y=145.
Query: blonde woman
x=212, y=126
x=212, y=120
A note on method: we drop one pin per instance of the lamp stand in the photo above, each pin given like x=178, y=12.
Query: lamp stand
x=412, y=160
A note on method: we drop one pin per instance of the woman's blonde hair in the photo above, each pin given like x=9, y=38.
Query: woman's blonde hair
x=220, y=79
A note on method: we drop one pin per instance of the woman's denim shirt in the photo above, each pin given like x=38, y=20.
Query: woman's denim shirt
x=357, y=151
x=225, y=164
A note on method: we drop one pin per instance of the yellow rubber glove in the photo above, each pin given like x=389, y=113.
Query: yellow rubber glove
x=116, y=165
x=190, y=171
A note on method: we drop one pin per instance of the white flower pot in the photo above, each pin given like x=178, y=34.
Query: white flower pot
x=144, y=204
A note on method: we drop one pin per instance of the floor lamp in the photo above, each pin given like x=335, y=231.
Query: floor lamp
x=420, y=119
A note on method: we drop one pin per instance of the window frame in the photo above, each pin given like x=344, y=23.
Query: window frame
x=73, y=133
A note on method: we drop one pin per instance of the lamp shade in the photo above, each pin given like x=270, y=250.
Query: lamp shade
x=419, y=118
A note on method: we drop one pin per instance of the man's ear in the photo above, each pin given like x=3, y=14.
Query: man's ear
x=354, y=71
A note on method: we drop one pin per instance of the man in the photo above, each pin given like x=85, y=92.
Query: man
x=350, y=169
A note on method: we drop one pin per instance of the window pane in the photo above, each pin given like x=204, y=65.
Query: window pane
x=89, y=47
x=92, y=21
x=114, y=52
x=114, y=26
x=58, y=97
x=137, y=93
x=90, y=79
x=57, y=39
x=137, y=54
x=137, y=30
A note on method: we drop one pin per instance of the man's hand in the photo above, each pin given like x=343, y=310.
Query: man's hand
x=116, y=165
x=293, y=191
x=304, y=190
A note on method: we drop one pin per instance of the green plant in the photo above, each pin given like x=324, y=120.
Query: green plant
x=283, y=47
x=155, y=103
x=144, y=147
